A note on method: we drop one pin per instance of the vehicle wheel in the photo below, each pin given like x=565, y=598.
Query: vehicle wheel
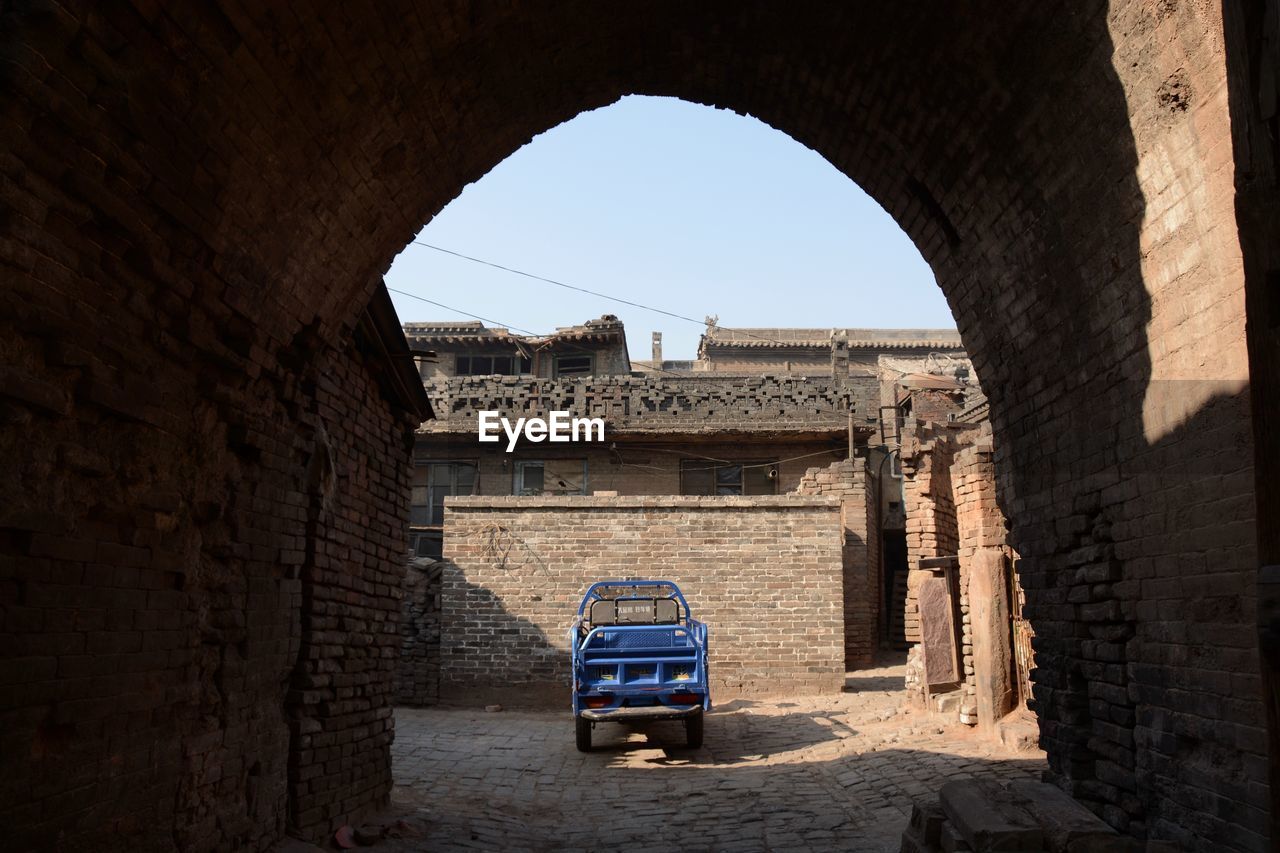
x=693, y=730
x=583, y=729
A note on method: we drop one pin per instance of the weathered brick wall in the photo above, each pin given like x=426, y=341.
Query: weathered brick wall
x=633, y=468
x=980, y=525
x=848, y=480
x=196, y=641
x=927, y=453
x=658, y=404
x=931, y=404
x=418, y=659
x=764, y=573
x=206, y=192
x=352, y=568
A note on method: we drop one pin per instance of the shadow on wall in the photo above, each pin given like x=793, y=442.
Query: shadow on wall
x=544, y=677
x=1160, y=666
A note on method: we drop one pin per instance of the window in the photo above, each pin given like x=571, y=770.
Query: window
x=426, y=543
x=432, y=483
x=551, y=477
x=751, y=477
x=490, y=365
x=574, y=365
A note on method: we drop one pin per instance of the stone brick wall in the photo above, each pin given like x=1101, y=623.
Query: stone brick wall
x=351, y=566
x=198, y=199
x=980, y=526
x=764, y=573
x=952, y=511
x=927, y=454
x=849, y=481
x=418, y=661
x=198, y=639
x=931, y=404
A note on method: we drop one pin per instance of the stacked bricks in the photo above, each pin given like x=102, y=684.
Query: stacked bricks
x=927, y=451
x=765, y=573
x=849, y=481
x=418, y=663
x=952, y=510
x=980, y=526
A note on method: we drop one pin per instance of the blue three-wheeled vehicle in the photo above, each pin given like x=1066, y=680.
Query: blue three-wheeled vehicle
x=638, y=654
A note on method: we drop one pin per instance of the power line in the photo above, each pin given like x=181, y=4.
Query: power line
x=654, y=368
x=534, y=334
x=460, y=311
x=508, y=325
x=700, y=458
x=596, y=293
x=546, y=280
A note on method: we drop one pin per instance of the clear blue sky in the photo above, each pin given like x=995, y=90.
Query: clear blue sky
x=683, y=207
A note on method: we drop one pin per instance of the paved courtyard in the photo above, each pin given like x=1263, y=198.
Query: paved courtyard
x=807, y=774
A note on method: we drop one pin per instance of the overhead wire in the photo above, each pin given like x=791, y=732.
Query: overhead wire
x=569, y=347
x=610, y=297
x=655, y=368
x=724, y=461
x=546, y=280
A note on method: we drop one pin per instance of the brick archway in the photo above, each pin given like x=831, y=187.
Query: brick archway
x=208, y=455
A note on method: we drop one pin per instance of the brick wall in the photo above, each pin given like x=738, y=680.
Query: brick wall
x=952, y=511
x=1071, y=181
x=647, y=468
x=849, y=481
x=931, y=404
x=418, y=660
x=351, y=567
x=199, y=641
x=660, y=404
x=927, y=454
x=764, y=573
x=980, y=525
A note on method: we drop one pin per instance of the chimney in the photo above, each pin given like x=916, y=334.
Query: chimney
x=839, y=354
x=657, y=350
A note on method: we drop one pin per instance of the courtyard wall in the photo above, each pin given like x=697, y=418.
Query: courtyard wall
x=764, y=572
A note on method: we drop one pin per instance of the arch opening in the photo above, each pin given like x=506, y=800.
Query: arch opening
x=216, y=226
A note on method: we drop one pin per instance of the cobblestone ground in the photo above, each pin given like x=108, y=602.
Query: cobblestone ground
x=829, y=773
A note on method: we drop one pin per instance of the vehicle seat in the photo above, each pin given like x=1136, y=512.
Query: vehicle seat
x=635, y=611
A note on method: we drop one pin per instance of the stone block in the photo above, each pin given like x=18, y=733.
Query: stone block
x=913, y=843
x=1068, y=826
x=1019, y=732
x=938, y=632
x=992, y=648
x=926, y=820
x=988, y=819
x=948, y=703
x=950, y=840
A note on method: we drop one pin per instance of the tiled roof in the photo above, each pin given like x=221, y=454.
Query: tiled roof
x=874, y=339
x=472, y=332
x=825, y=343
